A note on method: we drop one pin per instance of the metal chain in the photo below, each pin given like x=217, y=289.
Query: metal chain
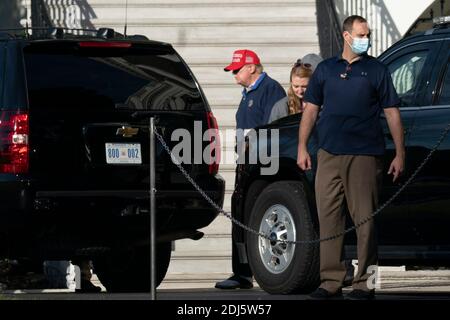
x=265, y=236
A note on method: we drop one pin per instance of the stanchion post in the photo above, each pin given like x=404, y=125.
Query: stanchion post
x=152, y=212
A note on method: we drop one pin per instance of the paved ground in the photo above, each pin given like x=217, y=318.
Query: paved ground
x=410, y=293
x=395, y=285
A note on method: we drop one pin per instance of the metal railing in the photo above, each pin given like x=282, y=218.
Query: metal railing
x=329, y=26
x=73, y=14
x=40, y=17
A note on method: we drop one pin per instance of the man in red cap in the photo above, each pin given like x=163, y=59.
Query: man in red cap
x=260, y=91
x=259, y=95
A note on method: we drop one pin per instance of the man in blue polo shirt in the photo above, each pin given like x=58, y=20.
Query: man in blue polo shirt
x=259, y=95
x=353, y=89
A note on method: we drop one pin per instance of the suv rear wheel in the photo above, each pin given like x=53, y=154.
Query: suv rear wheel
x=128, y=270
x=282, y=212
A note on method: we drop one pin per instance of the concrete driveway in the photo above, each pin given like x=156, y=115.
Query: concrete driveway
x=394, y=285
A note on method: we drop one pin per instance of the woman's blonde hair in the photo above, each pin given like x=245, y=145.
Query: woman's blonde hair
x=302, y=71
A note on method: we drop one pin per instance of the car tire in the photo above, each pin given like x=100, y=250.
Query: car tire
x=128, y=270
x=282, y=208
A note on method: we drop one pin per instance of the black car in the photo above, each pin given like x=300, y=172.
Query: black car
x=74, y=151
x=412, y=230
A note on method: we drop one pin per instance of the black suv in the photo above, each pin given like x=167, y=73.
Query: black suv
x=74, y=152
x=413, y=230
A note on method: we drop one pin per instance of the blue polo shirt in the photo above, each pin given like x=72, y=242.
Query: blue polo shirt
x=351, y=106
x=257, y=102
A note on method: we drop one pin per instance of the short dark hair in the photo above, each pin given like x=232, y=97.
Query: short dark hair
x=348, y=22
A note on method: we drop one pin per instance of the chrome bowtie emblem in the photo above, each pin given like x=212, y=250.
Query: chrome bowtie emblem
x=127, y=132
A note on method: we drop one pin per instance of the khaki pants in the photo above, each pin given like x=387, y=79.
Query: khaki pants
x=357, y=179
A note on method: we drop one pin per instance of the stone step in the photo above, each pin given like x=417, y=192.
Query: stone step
x=247, y=13
x=227, y=200
x=229, y=178
x=211, y=244
x=228, y=155
x=191, y=19
x=222, y=95
x=200, y=264
x=219, y=55
x=220, y=226
x=224, y=34
x=228, y=8
x=214, y=75
x=227, y=145
x=192, y=3
x=227, y=116
x=228, y=167
x=227, y=127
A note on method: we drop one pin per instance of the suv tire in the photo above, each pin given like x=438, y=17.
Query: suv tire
x=128, y=270
x=282, y=208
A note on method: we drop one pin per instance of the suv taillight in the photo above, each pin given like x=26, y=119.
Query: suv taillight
x=214, y=142
x=14, y=149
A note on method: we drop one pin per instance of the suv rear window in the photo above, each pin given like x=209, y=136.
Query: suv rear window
x=89, y=79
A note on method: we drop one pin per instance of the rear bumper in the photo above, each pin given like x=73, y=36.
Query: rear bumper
x=176, y=210
x=127, y=194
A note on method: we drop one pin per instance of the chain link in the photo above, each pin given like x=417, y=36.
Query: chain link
x=340, y=234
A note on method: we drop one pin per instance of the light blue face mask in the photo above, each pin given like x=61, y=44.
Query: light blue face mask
x=360, y=45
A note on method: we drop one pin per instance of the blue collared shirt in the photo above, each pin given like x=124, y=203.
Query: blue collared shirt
x=352, y=98
x=257, y=102
x=254, y=86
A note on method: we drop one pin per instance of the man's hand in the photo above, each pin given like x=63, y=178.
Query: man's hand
x=394, y=121
x=397, y=167
x=309, y=117
x=303, y=159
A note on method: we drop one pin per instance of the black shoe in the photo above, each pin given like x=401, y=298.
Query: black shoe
x=349, y=274
x=347, y=281
x=358, y=294
x=88, y=287
x=322, y=294
x=234, y=282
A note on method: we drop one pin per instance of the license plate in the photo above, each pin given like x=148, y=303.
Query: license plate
x=123, y=153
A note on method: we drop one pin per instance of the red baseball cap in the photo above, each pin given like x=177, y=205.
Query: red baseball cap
x=241, y=58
